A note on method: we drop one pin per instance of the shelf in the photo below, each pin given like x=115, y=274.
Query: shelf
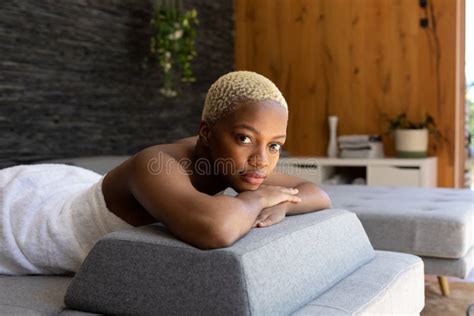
x=421, y=172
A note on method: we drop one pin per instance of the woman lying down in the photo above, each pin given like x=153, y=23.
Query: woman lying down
x=51, y=214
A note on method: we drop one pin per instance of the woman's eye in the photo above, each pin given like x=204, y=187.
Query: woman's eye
x=244, y=139
x=275, y=147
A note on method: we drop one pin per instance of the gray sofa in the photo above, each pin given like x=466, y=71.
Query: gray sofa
x=436, y=224
x=314, y=264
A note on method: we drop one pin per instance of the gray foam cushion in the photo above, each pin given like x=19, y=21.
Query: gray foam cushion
x=391, y=284
x=274, y=270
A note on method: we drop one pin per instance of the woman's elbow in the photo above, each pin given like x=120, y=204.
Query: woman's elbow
x=322, y=199
x=325, y=199
x=218, y=236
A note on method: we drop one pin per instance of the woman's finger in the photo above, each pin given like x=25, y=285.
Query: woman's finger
x=267, y=223
x=261, y=223
x=262, y=217
x=290, y=190
x=293, y=198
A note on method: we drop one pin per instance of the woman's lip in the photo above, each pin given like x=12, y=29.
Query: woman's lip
x=254, y=174
x=253, y=179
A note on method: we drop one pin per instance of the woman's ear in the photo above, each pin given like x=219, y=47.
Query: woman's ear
x=204, y=132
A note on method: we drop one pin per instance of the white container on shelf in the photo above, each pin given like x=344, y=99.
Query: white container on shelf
x=411, y=143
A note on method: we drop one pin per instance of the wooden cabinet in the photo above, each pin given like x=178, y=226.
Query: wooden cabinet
x=372, y=172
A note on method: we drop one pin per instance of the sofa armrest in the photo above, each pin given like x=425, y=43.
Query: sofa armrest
x=273, y=270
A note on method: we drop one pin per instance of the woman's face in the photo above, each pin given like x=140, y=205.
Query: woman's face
x=245, y=145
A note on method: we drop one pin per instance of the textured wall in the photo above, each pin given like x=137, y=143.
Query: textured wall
x=71, y=82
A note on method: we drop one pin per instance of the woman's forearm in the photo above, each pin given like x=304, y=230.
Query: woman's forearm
x=234, y=216
x=312, y=197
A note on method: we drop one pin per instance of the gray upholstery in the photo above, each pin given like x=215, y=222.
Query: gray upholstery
x=431, y=222
x=392, y=283
x=32, y=295
x=99, y=164
x=68, y=312
x=452, y=267
x=275, y=270
x=322, y=258
x=296, y=265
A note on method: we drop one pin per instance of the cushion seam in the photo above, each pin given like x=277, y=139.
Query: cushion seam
x=379, y=293
x=324, y=305
x=244, y=278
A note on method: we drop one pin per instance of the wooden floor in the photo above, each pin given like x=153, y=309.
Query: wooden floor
x=461, y=296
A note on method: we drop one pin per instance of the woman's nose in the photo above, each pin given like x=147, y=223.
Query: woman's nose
x=259, y=160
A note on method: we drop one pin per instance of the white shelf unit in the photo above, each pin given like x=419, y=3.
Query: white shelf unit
x=419, y=172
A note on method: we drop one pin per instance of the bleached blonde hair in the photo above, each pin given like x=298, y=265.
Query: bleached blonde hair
x=236, y=88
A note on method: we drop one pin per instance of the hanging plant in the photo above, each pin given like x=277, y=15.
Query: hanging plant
x=172, y=43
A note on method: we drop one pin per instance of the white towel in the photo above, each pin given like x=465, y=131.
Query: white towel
x=374, y=151
x=51, y=215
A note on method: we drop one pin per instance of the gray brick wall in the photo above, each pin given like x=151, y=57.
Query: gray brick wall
x=71, y=82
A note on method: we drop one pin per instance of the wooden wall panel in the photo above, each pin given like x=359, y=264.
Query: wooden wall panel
x=362, y=60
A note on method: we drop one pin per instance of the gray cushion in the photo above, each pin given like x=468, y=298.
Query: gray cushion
x=450, y=267
x=274, y=270
x=431, y=222
x=393, y=283
x=32, y=295
x=68, y=312
x=99, y=164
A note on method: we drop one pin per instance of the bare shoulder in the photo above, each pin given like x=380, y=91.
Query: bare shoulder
x=161, y=163
x=160, y=160
x=180, y=149
x=129, y=187
x=188, y=140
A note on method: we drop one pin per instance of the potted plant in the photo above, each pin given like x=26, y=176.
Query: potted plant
x=172, y=43
x=411, y=139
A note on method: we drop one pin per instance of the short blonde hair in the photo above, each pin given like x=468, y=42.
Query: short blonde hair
x=235, y=88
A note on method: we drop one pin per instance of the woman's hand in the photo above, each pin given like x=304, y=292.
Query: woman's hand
x=274, y=195
x=271, y=215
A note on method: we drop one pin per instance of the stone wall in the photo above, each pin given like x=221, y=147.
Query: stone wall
x=72, y=82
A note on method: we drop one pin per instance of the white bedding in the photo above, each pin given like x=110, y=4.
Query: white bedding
x=50, y=217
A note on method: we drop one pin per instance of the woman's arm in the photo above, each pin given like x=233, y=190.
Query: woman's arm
x=166, y=192
x=312, y=199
